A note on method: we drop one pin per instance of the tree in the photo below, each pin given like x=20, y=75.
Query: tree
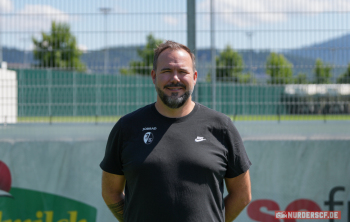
x=345, y=77
x=229, y=65
x=301, y=78
x=322, y=72
x=145, y=66
x=58, y=49
x=245, y=78
x=279, y=69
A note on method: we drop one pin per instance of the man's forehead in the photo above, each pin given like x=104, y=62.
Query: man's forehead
x=174, y=57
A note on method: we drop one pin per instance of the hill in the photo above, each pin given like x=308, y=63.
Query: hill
x=255, y=62
x=335, y=52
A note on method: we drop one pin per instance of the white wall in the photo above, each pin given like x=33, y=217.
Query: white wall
x=8, y=96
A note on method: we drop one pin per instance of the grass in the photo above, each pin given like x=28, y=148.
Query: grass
x=288, y=117
x=113, y=119
x=68, y=119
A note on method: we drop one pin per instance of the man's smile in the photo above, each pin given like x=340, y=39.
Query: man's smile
x=174, y=89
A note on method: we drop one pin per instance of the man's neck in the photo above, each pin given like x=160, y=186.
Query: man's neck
x=175, y=113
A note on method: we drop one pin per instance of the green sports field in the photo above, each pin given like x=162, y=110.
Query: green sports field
x=109, y=119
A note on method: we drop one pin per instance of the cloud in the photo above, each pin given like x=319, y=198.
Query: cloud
x=170, y=20
x=119, y=9
x=35, y=18
x=254, y=12
x=6, y=6
x=82, y=48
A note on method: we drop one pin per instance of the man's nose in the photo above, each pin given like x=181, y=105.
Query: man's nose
x=175, y=77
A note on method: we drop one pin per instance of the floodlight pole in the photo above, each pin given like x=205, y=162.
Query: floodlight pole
x=105, y=11
x=191, y=33
x=250, y=37
x=213, y=53
x=191, y=25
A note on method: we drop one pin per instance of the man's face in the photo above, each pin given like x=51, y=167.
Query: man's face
x=174, y=78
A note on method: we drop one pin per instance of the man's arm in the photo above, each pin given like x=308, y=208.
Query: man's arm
x=239, y=195
x=112, y=193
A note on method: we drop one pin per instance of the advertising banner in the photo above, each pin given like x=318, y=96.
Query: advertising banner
x=60, y=181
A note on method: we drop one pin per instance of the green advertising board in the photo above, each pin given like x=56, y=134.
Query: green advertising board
x=33, y=206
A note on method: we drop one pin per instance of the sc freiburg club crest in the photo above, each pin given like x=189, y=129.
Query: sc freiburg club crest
x=148, y=138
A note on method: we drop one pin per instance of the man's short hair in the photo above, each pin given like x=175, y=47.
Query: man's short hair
x=174, y=46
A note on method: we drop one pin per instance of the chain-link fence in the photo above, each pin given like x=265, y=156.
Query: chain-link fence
x=256, y=60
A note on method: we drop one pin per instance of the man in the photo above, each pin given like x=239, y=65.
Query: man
x=173, y=156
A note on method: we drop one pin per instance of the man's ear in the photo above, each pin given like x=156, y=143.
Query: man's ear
x=195, y=75
x=153, y=74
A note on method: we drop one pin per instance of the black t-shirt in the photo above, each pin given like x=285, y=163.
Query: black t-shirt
x=175, y=167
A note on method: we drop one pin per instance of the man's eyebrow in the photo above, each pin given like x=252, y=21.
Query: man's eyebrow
x=165, y=69
x=169, y=69
x=184, y=69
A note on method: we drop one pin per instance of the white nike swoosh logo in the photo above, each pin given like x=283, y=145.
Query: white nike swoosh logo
x=199, y=139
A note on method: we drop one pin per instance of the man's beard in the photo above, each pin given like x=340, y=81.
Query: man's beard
x=173, y=101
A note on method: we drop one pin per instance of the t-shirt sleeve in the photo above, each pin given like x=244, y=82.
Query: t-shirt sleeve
x=237, y=158
x=111, y=162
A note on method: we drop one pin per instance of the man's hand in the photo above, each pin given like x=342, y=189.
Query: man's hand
x=112, y=193
x=239, y=195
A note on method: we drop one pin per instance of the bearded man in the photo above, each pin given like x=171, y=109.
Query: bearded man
x=173, y=157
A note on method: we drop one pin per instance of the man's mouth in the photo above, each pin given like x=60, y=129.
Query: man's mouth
x=175, y=88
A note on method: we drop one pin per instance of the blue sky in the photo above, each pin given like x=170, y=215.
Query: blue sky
x=275, y=24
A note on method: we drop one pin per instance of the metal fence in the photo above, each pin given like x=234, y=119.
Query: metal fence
x=78, y=58
x=58, y=93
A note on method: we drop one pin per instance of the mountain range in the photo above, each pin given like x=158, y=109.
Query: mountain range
x=334, y=52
